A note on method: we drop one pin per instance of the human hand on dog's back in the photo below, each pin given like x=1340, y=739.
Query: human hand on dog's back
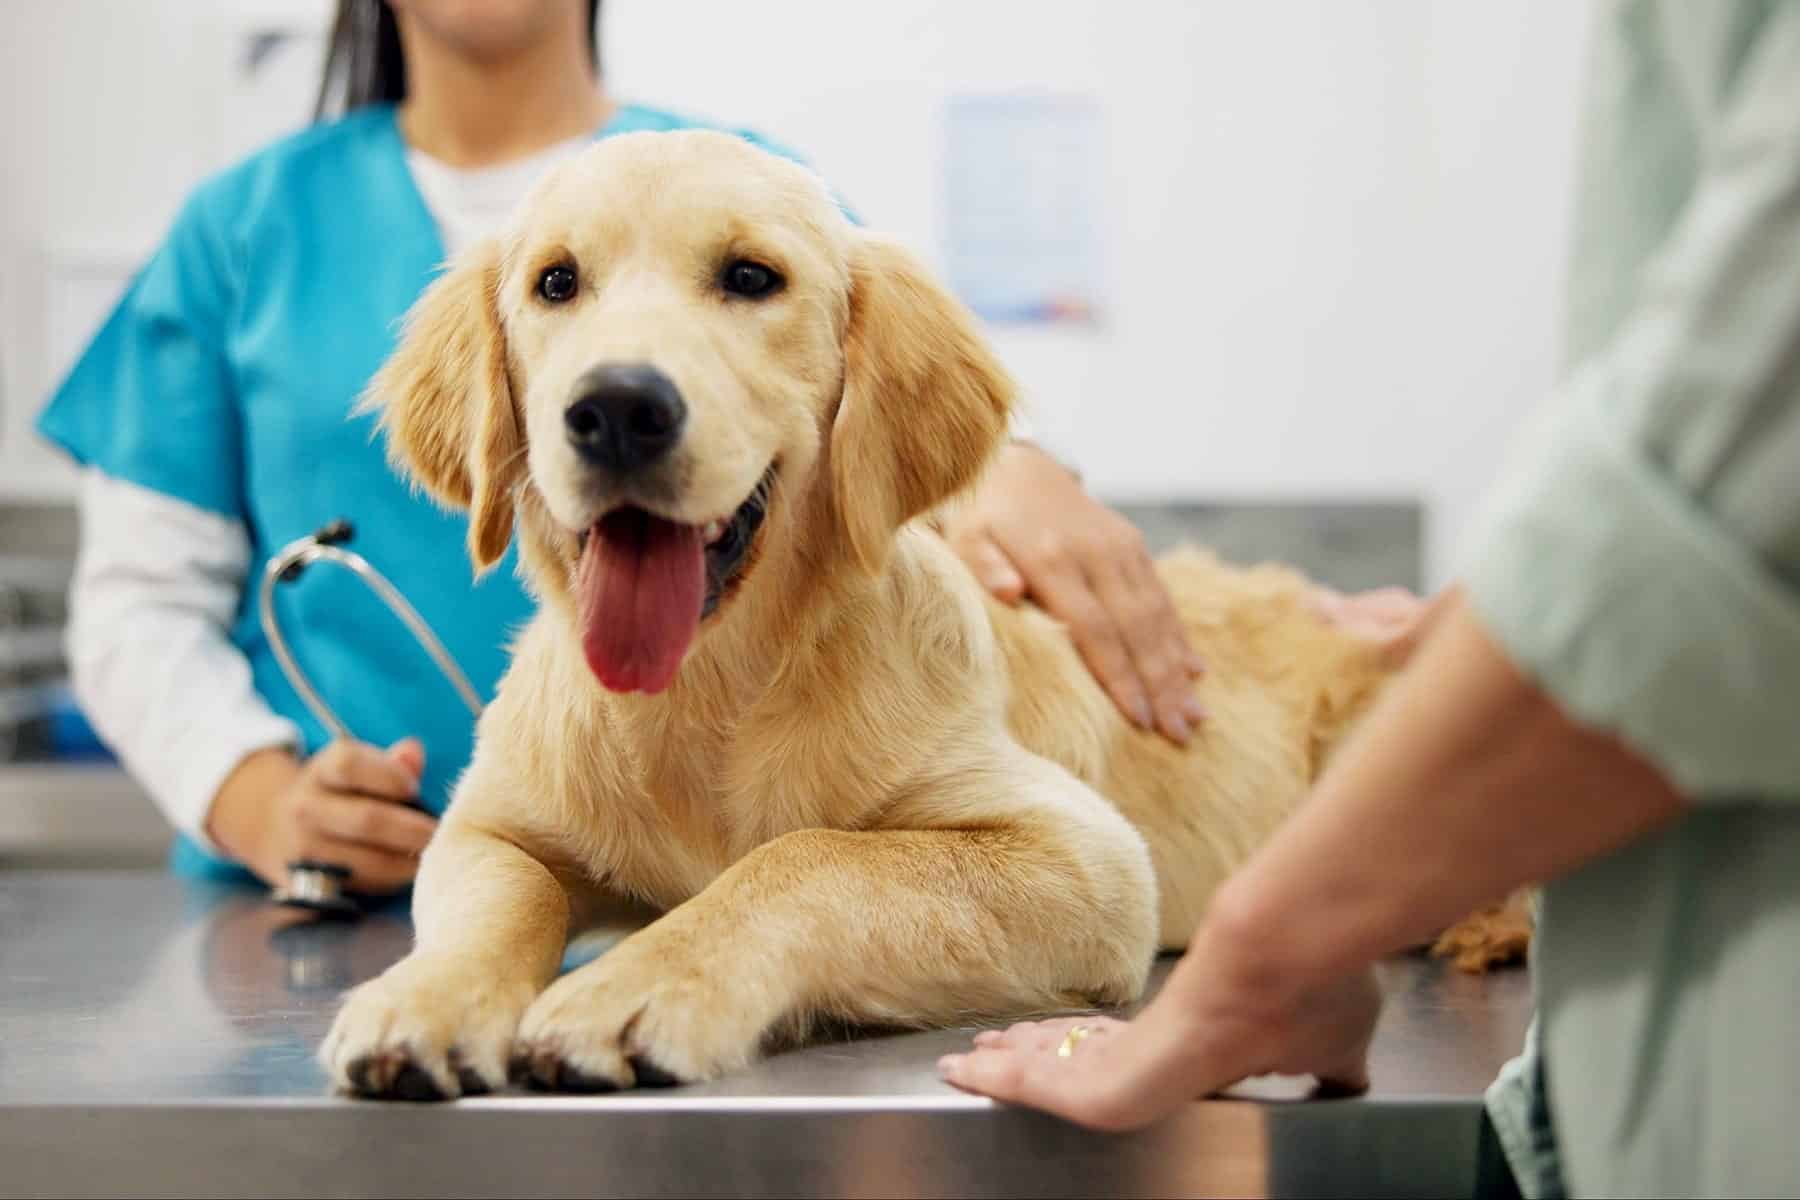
x=348, y=804
x=1032, y=531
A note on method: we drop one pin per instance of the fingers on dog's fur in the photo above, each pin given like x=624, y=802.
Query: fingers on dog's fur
x=446, y=401
x=925, y=401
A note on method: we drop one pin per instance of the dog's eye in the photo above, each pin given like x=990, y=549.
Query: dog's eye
x=557, y=284
x=750, y=280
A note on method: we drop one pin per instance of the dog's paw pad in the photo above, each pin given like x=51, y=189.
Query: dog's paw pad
x=650, y=1075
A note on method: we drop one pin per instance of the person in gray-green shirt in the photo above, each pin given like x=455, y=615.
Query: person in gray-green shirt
x=1609, y=705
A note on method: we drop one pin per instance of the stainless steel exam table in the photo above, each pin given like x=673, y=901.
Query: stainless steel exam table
x=157, y=1038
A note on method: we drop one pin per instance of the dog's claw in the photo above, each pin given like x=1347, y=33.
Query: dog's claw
x=375, y=1075
x=547, y=1071
x=391, y=1074
x=468, y=1080
x=650, y=1075
x=412, y=1083
x=572, y=1079
x=359, y=1072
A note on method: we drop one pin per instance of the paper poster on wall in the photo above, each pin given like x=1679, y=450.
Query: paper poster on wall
x=1023, y=207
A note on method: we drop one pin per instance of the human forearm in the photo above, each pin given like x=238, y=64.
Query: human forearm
x=156, y=584
x=1465, y=782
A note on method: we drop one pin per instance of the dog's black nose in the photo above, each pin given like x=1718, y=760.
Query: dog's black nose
x=624, y=416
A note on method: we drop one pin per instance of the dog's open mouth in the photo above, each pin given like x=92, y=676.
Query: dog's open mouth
x=644, y=583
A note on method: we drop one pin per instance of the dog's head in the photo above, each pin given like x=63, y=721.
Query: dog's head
x=675, y=340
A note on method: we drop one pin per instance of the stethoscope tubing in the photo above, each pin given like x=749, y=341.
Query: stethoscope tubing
x=312, y=885
x=325, y=545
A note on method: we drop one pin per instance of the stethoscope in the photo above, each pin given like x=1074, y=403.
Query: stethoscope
x=314, y=885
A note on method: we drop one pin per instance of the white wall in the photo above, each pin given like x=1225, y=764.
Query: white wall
x=110, y=111
x=1335, y=230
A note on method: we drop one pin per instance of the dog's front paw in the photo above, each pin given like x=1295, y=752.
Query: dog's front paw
x=642, y=1017
x=427, y=1029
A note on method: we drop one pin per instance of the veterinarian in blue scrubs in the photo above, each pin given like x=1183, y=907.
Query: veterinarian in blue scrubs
x=212, y=417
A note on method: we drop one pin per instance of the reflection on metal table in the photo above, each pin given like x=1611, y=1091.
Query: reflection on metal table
x=157, y=1038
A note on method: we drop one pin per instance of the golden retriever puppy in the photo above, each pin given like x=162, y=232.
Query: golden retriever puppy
x=761, y=696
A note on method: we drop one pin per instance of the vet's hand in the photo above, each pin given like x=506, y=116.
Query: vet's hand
x=1202, y=1034
x=1032, y=530
x=346, y=805
x=1393, y=618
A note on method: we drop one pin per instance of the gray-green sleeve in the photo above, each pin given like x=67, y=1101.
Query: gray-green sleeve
x=1641, y=557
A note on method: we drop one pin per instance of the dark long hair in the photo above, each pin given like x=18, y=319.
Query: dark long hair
x=364, y=64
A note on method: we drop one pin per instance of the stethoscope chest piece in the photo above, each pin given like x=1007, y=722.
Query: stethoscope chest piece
x=318, y=887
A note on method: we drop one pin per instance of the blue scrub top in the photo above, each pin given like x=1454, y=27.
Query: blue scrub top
x=226, y=378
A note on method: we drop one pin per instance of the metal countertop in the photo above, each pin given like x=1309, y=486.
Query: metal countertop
x=157, y=1037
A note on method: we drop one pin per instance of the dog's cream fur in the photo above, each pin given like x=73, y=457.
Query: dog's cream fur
x=872, y=794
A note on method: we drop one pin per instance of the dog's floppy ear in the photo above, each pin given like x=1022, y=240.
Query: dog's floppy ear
x=925, y=401
x=445, y=399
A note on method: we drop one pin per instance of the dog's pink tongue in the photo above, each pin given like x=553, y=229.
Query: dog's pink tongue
x=639, y=590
